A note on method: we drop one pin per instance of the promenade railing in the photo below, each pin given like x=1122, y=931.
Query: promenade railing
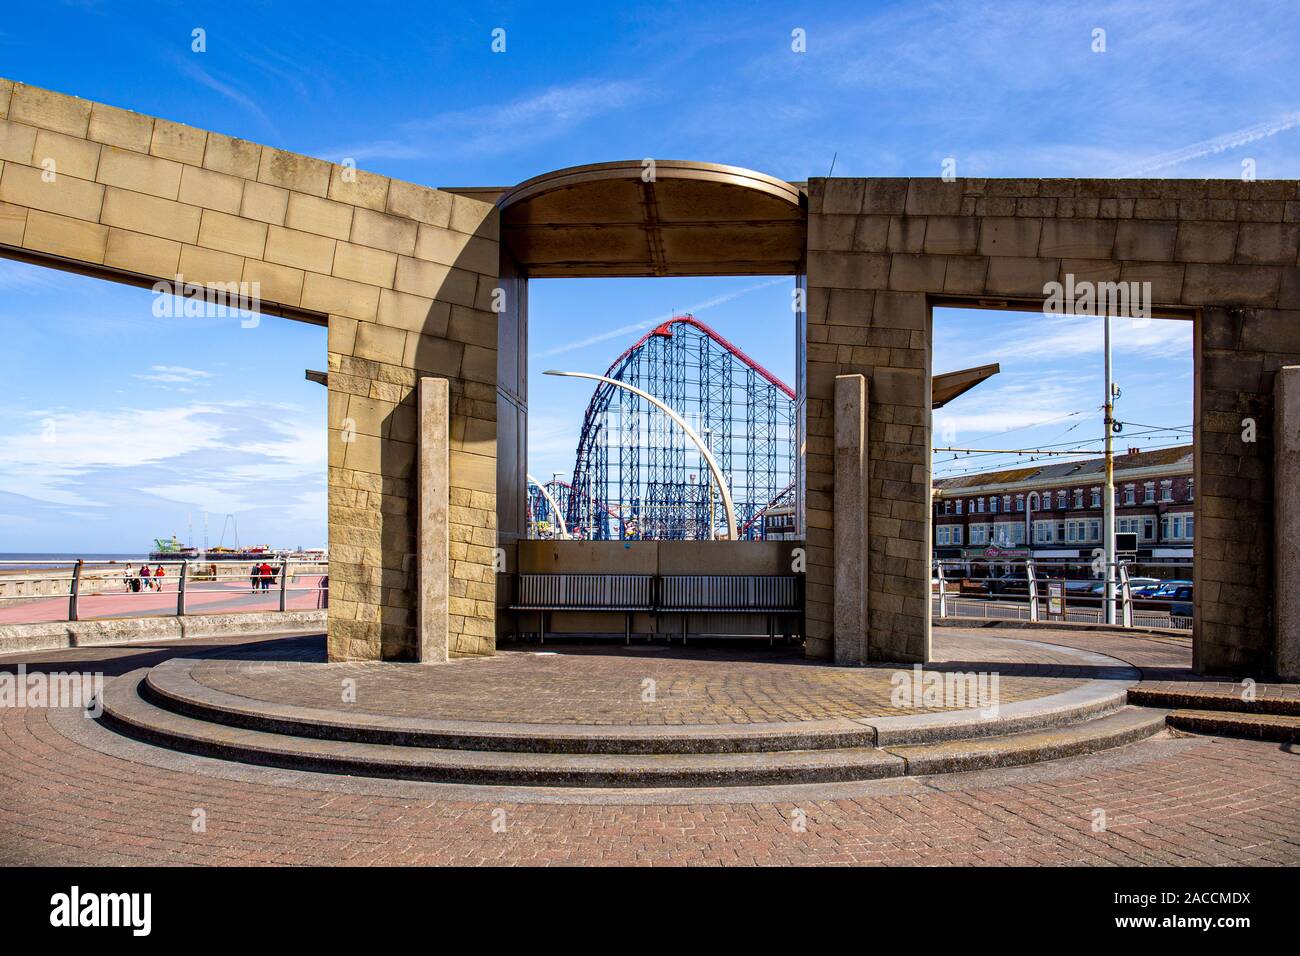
x=74, y=589
x=1045, y=589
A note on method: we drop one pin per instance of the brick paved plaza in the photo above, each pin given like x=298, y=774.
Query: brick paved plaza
x=74, y=792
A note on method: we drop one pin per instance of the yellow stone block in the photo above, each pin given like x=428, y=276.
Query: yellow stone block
x=243, y=237
x=73, y=238
x=341, y=336
x=471, y=253
x=232, y=156
x=13, y=220
x=431, y=354
x=292, y=171
x=415, y=313
x=49, y=110
x=475, y=217
x=66, y=195
x=325, y=218
x=379, y=343
x=358, y=188
x=6, y=93
x=178, y=142
x=302, y=250
x=264, y=203
x=140, y=173
x=480, y=364
x=122, y=128
x=209, y=265
x=211, y=189
x=363, y=264
x=420, y=203
x=475, y=472
x=276, y=283
x=383, y=231
x=419, y=277
x=17, y=142
x=324, y=293
x=147, y=255
x=70, y=155
x=150, y=215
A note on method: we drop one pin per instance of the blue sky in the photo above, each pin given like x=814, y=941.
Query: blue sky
x=414, y=91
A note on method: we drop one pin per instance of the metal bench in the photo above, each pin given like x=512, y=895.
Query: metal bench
x=775, y=596
x=542, y=593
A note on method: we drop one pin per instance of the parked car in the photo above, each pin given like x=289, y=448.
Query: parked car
x=1175, y=597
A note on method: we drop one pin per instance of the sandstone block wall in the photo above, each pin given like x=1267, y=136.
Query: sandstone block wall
x=402, y=274
x=881, y=252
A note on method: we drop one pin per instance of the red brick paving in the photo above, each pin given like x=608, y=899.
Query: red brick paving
x=1196, y=801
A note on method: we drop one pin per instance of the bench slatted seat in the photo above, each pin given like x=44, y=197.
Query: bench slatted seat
x=772, y=595
x=628, y=593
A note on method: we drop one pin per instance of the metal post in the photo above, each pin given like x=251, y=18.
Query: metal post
x=943, y=590
x=180, y=589
x=1126, y=596
x=1108, y=513
x=1033, y=589
x=74, y=592
x=284, y=582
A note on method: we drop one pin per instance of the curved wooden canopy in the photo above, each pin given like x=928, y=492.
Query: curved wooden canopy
x=669, y=218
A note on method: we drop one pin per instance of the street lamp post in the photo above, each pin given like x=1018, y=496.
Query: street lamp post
x=555, y=505
x=1108, y=511
x=723, y=490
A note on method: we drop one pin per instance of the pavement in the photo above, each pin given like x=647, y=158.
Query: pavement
x=72, y=791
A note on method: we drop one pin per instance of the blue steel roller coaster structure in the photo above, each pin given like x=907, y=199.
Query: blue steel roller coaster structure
x=636, y=474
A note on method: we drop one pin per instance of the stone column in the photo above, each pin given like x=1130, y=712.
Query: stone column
x=850, y=519
x=433, y=542
x=1286, y=525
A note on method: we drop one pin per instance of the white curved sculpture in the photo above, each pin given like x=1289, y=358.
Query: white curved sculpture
x=690, y=433
x=555, y=505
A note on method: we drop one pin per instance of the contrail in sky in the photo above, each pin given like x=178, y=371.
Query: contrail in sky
x=649, y=323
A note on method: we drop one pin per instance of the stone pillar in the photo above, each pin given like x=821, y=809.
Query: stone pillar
x=433, y=541
x=1286, y=525
x=850, y=520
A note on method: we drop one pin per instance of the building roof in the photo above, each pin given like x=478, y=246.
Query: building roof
x=1066, y=472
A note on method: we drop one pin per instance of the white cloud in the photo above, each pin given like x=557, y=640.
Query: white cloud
x=490, y=131
x=174, y=373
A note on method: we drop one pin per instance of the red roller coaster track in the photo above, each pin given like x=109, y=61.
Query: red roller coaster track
x=666, y=330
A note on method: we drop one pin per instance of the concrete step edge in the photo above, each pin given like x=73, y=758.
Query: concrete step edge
x=127, y=711
x=1189, y=699
x=1279, y=728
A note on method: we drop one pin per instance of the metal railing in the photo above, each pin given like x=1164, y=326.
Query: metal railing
x=1045, y=589
x=39, y=584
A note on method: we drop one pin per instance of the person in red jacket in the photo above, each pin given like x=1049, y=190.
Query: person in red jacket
x=265, y=571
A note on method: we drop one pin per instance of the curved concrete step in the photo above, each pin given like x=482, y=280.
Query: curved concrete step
x=1282, y=728
x=171, y=686
x=1125, y=726
x=126, y=710
x=1191, y=697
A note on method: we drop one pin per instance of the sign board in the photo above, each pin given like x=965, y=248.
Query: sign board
x=1126, y=542
x=1056, y=598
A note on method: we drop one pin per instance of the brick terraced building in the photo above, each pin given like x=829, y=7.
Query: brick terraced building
x=1055, y=510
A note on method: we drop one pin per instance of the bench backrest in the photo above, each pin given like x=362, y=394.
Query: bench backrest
x=585, y=590
x=704, y=591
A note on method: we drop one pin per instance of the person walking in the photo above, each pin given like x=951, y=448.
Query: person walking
x=145, y=583
x=158, y=575
x=266, y=576
x=254, y=576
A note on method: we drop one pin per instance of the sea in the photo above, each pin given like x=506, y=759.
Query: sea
x=69, y=556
